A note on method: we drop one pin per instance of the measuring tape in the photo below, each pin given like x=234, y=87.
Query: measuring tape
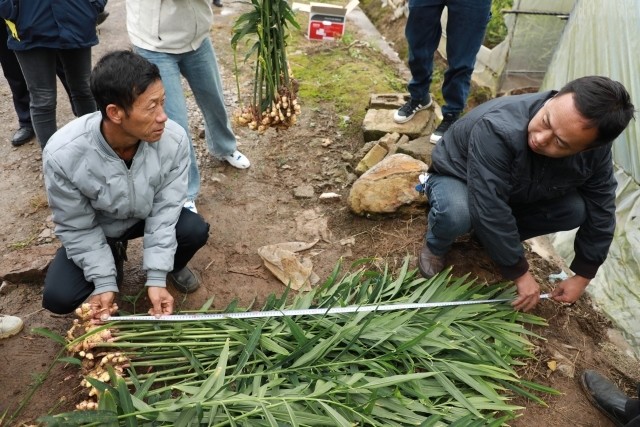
x=303, y=312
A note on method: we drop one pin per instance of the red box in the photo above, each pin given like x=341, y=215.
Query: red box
x=325, y=26
x=326, y=21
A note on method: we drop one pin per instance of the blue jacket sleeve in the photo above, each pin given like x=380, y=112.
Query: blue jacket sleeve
x=9, y=9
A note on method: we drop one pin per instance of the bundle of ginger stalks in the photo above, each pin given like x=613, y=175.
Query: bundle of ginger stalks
x=274, y=99
x=452, y=365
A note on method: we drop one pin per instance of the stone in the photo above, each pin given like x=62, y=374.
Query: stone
x=218, y=177
x=388, y=101
x=563, y=365
x=305, y=191
x=388, y=186
x=378, y=122
x=394, y=148
x=374, y=156
x=346, y=156
x=329, y=196
x=362, y=151
x=389, y=140
x=45, y=234
x=419, y=148
x=27, y=265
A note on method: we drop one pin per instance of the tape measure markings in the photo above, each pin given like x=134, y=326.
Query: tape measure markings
x=305, y=311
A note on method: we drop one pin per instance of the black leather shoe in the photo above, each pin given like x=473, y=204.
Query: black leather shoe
x=22, y=136
x=429, y=264
x=217, y=3
x=605, y=396
x=184, y=280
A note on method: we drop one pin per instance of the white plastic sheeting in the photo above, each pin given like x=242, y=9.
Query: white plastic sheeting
x=535, y=26
x=521, y=60
x=616, y=287
x=602, y=37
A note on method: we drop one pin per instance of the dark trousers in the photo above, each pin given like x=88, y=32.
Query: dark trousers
x=65, y=287
x=449, y=215
x=39, y=69
x=466, y=24
x=13, y=73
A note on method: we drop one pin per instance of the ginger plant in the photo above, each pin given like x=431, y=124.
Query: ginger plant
x=274, y=101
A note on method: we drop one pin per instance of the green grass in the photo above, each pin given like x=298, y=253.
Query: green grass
x=344, y=74
x=496, y=29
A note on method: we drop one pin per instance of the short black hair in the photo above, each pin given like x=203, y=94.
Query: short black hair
x=119, y=78
x=605, y=103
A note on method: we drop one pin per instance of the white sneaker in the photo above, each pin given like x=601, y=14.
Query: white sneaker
x=191, y=205
x=9, y=326
x=237, y=160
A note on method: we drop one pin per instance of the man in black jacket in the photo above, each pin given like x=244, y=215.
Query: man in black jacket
x=523, y=166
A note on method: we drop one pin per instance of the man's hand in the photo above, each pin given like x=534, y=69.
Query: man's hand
x=569, y=290
x=161, y=301
x=102, y=306
x=528, y=292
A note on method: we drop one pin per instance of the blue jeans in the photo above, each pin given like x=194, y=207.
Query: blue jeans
x=466, y=24
x=200, y=69
x=39, y=68
x=449, y=216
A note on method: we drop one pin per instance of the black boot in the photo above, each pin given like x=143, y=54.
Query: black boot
x=605, y=396
x=22, y=136
x=184, y=280
x=429, y=264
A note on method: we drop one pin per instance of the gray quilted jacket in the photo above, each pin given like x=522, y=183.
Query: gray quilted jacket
x=94, y=195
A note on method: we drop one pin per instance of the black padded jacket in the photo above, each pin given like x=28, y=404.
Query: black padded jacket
x=487, y=148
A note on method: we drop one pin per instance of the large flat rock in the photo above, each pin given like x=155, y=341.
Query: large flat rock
x=27, y=265
x=379, y=122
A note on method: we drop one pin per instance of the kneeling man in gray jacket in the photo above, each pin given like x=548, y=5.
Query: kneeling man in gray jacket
x=115, y=175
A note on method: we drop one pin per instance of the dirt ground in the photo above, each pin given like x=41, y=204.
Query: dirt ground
x=255, y=207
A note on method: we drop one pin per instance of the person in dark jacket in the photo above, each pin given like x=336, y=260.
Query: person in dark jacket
x=523, y=166
x=42, y=32
x=19, y=91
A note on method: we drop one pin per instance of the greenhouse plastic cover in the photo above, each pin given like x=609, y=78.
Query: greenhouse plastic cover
x=533, y=38
x=602, y=37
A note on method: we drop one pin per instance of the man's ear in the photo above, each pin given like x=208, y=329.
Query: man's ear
x=115, y=113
